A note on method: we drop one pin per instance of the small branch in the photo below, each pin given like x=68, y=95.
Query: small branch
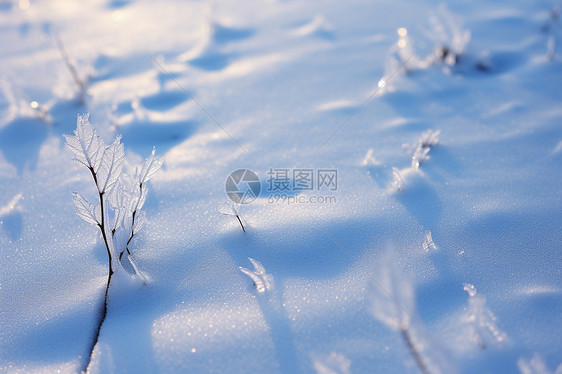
x=79, y=82
x=130, y=237
x=132, y=225
x=413, y=351
x=239, y=220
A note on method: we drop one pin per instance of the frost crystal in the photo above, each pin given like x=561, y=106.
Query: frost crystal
x=228, y=209
x=448, y=34
x=262, y=280
x=397, y=179
x=369, y=159
x=427, y=140
x=428, y=242
x=481, y=320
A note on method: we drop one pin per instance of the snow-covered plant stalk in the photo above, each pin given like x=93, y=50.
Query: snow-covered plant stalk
x=449, y=35
x=391, y=298
x=134, y=216
x=420, y=154
x=428, y=242
x=428, y=139
x=483, y=329
x=230, y=209
x=81, y=83
x=117, y=208
x=270, y=300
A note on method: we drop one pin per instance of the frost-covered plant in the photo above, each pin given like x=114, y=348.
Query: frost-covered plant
x=81, y=83
x=428, y=139
x=448, y=34
x=481, y=321
x=391, y=300
x=391, y=296
x=120, y=199
x=420, y=154
x=230, y=209
x=262, y=280
x=118, y=207
x=428, y=242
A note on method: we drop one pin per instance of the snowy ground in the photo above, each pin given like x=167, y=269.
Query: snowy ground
x=284, y=85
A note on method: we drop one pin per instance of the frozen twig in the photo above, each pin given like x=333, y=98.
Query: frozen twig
x=81, y=83
x=230, y=209
x=105, y=164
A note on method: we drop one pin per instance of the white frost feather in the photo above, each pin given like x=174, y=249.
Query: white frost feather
x=86, y=146
x=111, y=166
x=262, y=280
x=428, y=242
x=151, y=166
x=88, y=212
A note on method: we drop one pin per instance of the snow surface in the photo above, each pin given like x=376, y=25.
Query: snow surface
x=219, y=86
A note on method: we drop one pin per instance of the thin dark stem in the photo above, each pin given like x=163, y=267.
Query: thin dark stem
x=132, y=232
x=101, y=226
x=413, y=351
x=132, y=225
x=239, y=220
x=100, y=323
